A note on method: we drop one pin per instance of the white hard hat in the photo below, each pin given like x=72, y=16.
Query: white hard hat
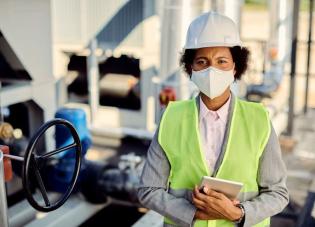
x=212, y=29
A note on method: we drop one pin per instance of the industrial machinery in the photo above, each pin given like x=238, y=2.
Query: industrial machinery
x=56, y=173
x=32, y=163
x=118, y=181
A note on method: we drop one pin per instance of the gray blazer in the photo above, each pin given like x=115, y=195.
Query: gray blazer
x=154, y=193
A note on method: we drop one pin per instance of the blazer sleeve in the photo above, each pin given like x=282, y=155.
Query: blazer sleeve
x=273, y=193
x=153, y=189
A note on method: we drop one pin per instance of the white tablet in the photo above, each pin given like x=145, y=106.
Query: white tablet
x=230, y=189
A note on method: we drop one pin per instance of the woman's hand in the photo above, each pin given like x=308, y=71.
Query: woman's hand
x=214, y=205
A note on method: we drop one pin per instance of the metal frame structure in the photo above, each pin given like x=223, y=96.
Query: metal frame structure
x=309, y=46
x=296, y=8
x=107, y=120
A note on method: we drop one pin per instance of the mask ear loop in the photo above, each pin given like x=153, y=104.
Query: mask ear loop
x=233, y=66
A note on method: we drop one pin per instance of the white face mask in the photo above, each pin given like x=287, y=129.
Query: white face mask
x=212, y=81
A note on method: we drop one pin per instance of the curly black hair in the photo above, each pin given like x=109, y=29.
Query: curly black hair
x=240, y=57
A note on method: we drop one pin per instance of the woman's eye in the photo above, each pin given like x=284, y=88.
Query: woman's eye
x=222, y=61
x=201, y=62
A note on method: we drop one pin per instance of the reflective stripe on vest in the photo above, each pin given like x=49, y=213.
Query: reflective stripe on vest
x=179, y=137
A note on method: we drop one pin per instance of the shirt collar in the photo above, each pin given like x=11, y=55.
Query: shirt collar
x=222, y=112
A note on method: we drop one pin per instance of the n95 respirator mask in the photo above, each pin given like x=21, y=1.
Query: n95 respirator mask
x=212, y=81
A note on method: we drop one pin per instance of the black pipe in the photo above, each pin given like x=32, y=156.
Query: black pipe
x=296, y=7
x=309, y=44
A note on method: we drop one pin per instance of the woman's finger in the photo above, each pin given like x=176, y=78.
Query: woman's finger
x=199, y=203
x=235, y=202
x=213, y=193
x=196, y=190
x=200, y=195
x=200, y=208
x=208, y=205
x=211, y=206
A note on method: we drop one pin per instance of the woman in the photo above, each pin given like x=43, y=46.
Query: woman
x=216, y=135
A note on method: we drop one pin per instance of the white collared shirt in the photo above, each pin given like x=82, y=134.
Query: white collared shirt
x=212, y=125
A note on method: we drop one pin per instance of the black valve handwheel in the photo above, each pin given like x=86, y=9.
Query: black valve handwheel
x=32, y=161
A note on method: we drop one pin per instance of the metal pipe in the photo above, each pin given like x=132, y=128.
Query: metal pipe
x=16, y=158
x=296, y=7
x=279, y=37
x=93, y=79
x=309, y=44
x=3, y=196
x=177, y=15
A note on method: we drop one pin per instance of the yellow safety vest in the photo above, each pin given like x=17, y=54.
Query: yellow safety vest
x=180, y=139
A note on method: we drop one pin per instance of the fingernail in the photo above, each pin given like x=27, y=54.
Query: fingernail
x=205, y=189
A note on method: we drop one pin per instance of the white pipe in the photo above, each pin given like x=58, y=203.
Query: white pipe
x=17, y=158
x=284, y=26
x=93, y=79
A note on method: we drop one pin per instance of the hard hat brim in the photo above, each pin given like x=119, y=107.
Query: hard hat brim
x=210, y=44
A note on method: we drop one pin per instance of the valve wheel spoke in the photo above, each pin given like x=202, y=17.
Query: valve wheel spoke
x=57, y=151
x=40, y=182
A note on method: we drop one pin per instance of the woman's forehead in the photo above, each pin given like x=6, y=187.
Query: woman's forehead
x=213, y=52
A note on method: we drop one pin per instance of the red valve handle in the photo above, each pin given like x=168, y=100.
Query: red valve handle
x=8, y=173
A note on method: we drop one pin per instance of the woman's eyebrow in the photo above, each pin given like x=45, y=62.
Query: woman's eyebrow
x=217, y=57
x=200, y=57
